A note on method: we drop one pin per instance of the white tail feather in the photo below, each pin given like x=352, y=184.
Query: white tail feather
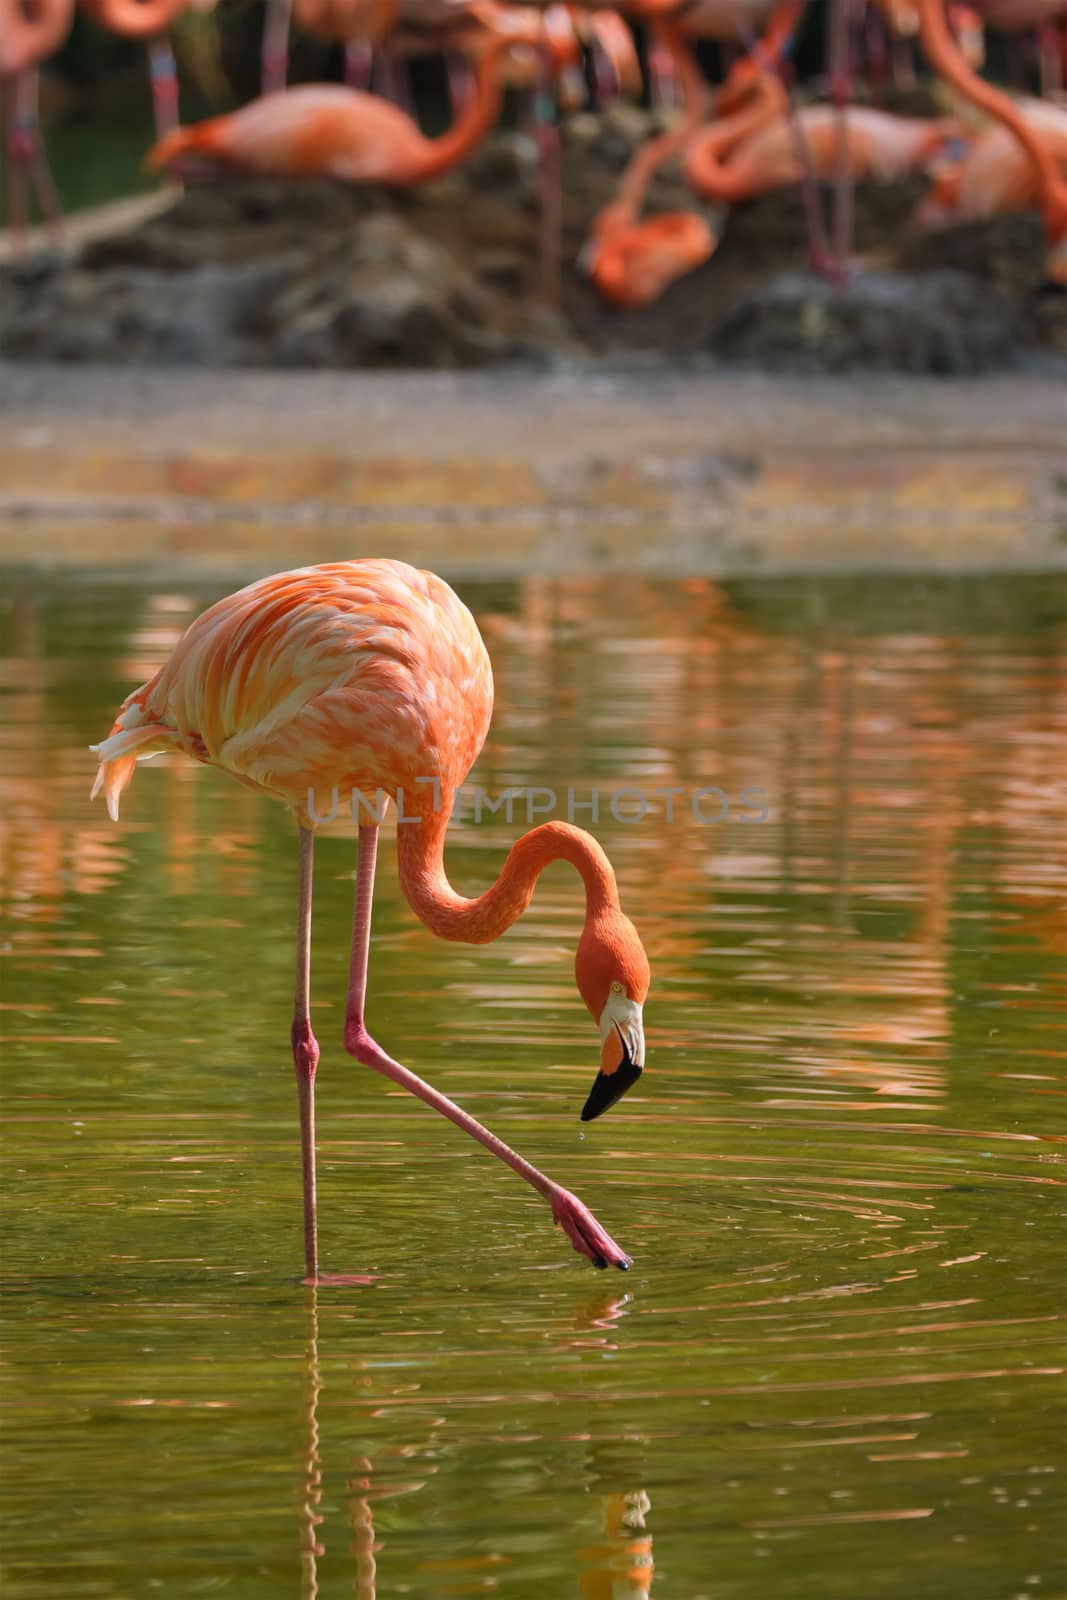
x=117, y=761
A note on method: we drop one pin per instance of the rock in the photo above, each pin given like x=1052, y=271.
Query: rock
x=943, y=323
x=400, y=301
x=253, y=271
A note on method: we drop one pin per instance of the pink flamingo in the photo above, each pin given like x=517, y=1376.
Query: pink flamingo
x=631, y=262
x=370, y=678
x=995, y=174
x=946, y=57
x=28, y=35
x=753, y=151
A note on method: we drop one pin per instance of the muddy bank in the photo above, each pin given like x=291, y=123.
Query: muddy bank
x=256, y=273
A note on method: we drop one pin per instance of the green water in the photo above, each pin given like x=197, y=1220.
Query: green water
x=92, y=163
x=836, y=1366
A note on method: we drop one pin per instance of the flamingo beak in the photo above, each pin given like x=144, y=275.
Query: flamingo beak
x=622, y=1057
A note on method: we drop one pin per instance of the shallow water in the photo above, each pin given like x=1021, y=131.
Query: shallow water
x=836, y=1367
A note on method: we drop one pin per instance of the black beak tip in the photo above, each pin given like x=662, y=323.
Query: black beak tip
x=606, y=1090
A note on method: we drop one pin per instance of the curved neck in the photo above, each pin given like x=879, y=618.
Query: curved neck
x=707, y=167
x=645, y=164
x=136, y=19
x=438, y=155
x=26, y=40
x=766, y=52
x=946, y=56
x=420, y=855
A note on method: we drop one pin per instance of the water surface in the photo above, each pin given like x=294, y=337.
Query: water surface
x=836, y=1366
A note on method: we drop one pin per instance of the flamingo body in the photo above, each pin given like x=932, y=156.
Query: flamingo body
x=359, y=675
x=330, y=130
x=879, y=145
x=996, y=174
x=317, y=130
x=756, y=150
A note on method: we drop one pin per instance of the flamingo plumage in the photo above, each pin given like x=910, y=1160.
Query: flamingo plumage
x=632, y=261
x=995, y=174
x=754, y=149
x=371, y=678
x=329, y=130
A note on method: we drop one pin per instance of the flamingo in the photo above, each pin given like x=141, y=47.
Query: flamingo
x=29, y=34
x=754, y=150
x=631, y=262
x=946, y=57
x=330, y=130
x=995, y=174
x=371, y=678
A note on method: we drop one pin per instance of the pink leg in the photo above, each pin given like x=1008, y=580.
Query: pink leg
x=1050, y=57
x=306, y=1053
x=359, y=64
x=581, y=1227
x=394, y=81
x=163, y=71
x=460, y=83
x=20, y=135
x=840, y=94
x=549, y=182
x=274, y=54
x=40, y=174
x=818, y=243
x=902, y=62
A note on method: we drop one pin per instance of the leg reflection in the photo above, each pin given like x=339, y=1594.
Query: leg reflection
x=310, y=1515
x=622, y=1567
x=363, y=1546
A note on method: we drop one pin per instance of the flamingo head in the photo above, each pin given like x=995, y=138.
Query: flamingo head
x=938, y=208
x=633, y=263
x=613, y=977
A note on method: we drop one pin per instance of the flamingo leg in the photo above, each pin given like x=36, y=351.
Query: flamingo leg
x=1049, y=56
x=550, y=181
x=163, y=72
x=306, y=1053
x=840, y=95
x=359, y=64
x=581, y=1227
x=27, y=152
x=460, y=83
x=19, y=147
x=274, y=52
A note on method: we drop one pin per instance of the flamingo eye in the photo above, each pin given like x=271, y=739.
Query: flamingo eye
x=616, y=988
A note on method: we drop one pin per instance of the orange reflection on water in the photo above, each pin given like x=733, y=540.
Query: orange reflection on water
x=884, y=759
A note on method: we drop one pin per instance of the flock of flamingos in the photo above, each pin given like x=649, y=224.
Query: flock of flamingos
x=1000, y=152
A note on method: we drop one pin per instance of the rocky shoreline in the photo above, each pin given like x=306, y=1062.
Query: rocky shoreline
x=253, y=273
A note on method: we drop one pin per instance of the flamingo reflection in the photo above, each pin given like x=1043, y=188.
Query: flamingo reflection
x=621, y=1568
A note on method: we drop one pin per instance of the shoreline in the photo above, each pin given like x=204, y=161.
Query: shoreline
x=508, y=471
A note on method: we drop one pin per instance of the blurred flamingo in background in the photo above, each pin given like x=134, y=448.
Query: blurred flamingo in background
x=631, y=262
x=370, y=678
x=753, y=150
x=946, y=57
x=30, y=31
x=329, y=130
x=995, y=174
